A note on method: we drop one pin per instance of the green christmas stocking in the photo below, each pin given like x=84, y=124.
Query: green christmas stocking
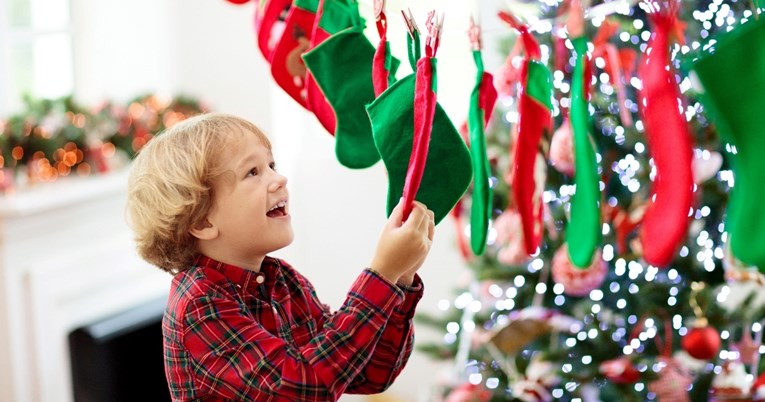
x=583, y=232
x=731, y=80
x=447, y=169
x=482, y=101
x=342, y=67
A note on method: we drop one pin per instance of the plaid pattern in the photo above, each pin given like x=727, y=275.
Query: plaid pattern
x=229, y=337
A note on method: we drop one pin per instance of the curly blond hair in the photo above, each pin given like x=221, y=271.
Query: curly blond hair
x=170, y=188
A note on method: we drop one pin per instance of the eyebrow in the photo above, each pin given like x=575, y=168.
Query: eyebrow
x=250, y=159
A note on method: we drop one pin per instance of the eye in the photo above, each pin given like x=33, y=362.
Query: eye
x=272, y=165
x=252, y=172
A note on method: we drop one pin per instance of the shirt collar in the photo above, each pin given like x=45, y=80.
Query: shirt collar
x=238, y=275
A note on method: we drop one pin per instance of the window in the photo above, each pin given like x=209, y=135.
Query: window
x=35, y=51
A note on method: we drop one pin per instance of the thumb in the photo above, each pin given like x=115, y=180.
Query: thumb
x=397, y=215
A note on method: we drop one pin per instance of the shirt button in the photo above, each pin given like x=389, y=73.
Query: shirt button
x=259, y=279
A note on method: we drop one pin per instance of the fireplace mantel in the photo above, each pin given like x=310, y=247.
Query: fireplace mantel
x=67, y=258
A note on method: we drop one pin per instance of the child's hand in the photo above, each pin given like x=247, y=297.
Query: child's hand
x=403, y=246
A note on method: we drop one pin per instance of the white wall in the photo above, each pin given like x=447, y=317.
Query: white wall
x=206, y=48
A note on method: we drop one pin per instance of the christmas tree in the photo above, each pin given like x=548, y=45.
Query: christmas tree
x=660, y=308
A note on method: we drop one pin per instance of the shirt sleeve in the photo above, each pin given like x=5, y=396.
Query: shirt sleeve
x=236, y=358
x=394, y=348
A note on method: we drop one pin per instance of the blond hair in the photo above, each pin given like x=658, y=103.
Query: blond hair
x=170, y=188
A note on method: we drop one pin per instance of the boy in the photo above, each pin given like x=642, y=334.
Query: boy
x=207, y=206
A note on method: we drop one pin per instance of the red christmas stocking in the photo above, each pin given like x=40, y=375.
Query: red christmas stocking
x=287, y=67
x=269, y=24
x=665, y=223
x=339, y=15
x=384, y=65
x=535, y=117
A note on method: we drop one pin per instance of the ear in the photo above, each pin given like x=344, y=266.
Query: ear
x=204, y=231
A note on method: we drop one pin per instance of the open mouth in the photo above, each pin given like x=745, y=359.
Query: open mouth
x=278, y=210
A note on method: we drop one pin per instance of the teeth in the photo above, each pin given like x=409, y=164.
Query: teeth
x=280, y=204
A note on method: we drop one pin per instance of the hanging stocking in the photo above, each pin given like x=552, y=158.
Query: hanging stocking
x=535, y=117
x=339, y=15
x=287, y=68
x=482, y=101
x=613, y=66
x=583, y=233
x=342, y=68
x=436, y=173
x=269, y=24
x=665, y=223
x=731, y=83
x=384, y=65
x=425, y=85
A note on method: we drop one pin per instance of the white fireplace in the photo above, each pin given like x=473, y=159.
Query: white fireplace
x=67, y=258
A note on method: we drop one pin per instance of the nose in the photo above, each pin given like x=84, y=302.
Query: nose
x=278, y=182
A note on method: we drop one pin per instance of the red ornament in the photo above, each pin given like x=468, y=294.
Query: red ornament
x=240, y=2
x=578, y=281
x=620, y=371
x=702, y=342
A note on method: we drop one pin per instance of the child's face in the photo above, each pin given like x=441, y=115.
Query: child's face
x=251, y=207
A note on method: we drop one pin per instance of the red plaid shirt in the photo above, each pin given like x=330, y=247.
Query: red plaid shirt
x=234, y=334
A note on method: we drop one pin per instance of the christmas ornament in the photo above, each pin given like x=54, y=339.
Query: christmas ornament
x=384, y=65
x=523, y=326
x=702, y=341
x=562, y=149
x=577, y=281
x=705, y=166
x=534, y=119
x=238, y=2
x=730, y=384
x=673, y=382
x=435, y=171
x=665, y=223
x=619, y=371
x=331, y=18
x=535, y=385
x=584, y=232
x=467, y=392
x=509, y=238
x=746, y=284
x=730, y=79
x=748, y=350
x=482, y=101
x=509, y=75
x=342, y=68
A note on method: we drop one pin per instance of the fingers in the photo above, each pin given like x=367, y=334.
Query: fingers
x=417, y=216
